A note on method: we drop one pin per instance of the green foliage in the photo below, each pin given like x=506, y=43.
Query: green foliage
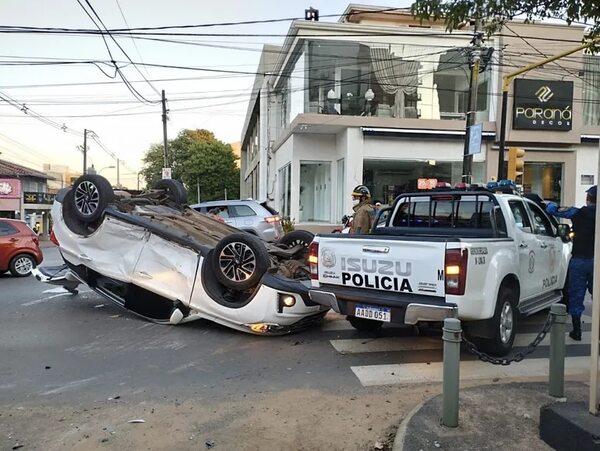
x=288, y=225
x=494, y=13
x=198, y=159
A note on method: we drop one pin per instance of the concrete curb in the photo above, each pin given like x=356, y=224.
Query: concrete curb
x=401, y=432
x=492, y=416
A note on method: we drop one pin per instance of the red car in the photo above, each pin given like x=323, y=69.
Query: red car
x=19, y=248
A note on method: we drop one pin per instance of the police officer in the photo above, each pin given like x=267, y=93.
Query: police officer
x=363, y=211
x=581, y=266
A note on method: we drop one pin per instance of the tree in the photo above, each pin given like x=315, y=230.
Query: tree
x=494, y=13
x=199, y=160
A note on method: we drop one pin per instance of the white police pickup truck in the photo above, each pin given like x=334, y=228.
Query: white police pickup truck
x=484, y=256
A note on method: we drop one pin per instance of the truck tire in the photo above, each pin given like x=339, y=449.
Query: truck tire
x=173, y=189
x=91, y=195
x=365, y=325
x=240, y=260
x=296, y=237
x=504, y=324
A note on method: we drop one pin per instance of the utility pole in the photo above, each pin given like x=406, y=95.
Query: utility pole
x=164, y=121
x=138, y=181
x=473, y=87
x=118, y=180
x=85, y=151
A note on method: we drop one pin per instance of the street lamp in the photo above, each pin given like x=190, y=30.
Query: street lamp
x=106, y=167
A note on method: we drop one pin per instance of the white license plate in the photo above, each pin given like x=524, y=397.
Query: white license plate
x=374, y=313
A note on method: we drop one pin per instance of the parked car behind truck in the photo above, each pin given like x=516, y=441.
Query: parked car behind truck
x=19, y=248
x=483, y=256
x=248, y=215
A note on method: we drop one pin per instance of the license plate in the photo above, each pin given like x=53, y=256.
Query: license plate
x=374, y=313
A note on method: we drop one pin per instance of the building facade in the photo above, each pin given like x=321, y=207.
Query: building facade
x=380, y=99
x=24, y=195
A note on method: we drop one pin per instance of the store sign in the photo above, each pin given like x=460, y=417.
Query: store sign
x=543, y=105
x=38, y=198
x=10, y=188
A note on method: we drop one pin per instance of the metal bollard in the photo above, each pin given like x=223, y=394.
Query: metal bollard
x=452, y=338
x=557, y=351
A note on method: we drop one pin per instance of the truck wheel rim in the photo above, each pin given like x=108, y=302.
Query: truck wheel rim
x=23, y=265
x=237, y=262
x=87, y=198
x=506, y=322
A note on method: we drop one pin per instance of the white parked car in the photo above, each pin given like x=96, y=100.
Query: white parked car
x=170, y=264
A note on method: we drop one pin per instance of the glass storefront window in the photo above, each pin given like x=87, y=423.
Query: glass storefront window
x=544, y=179
x=388, y=178
x=341, y=194
x=591, y=93
x=378, y=79
x=285, y=190
x=315, y=191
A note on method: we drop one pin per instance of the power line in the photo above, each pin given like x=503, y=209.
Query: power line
x=134, y=91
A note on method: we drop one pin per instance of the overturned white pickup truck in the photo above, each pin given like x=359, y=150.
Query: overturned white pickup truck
x=482, y=256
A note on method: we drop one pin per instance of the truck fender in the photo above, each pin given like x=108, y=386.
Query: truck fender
x=483, y=328
x=501, y=270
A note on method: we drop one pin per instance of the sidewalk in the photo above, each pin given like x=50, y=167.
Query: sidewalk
x=491, y=417
x=46, y=243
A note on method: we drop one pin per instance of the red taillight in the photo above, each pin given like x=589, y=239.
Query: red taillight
x=53, y=238
x=35, y=239
x=313, y=260
x=455, y=270
x=272, y=219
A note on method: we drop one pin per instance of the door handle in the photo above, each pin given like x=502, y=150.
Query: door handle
x=145, y=275
x=13, y=240
x=85, y=258
x=523, y=245
x=543, y=245
x=376, y=249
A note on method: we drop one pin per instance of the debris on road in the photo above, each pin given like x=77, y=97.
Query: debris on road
x=210, y=444
x=139, y=420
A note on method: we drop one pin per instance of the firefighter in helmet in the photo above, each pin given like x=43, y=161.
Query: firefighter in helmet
x=363, y=210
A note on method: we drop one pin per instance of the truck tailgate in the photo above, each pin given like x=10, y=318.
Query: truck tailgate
x=394, y=265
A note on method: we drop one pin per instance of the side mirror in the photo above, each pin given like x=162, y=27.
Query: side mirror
x=564, y=231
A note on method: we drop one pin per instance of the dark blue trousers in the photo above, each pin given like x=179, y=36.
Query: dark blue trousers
x=581, y=279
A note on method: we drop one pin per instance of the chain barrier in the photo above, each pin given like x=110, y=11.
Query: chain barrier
x=472, y=348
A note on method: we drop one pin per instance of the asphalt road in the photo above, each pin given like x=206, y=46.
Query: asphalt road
x=61, y=350
x=55, y=346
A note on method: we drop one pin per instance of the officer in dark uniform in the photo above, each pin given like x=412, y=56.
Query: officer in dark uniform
x=581, y=266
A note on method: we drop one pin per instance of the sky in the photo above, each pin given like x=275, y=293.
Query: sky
x=94, y=97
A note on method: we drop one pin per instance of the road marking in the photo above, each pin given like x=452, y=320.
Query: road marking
x=371, y=375
x=399, y=344
x=56, y=290
x=386, y=344
x=70, y=386
x=39, y=301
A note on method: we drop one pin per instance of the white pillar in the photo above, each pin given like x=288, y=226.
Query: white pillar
x=263, y=141
x=593, y=404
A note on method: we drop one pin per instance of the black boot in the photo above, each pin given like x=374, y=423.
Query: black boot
x=575, y=334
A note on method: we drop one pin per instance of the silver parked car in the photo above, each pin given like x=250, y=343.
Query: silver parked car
x=248, y=215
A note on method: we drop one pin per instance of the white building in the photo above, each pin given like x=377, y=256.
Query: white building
x=381, y=100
